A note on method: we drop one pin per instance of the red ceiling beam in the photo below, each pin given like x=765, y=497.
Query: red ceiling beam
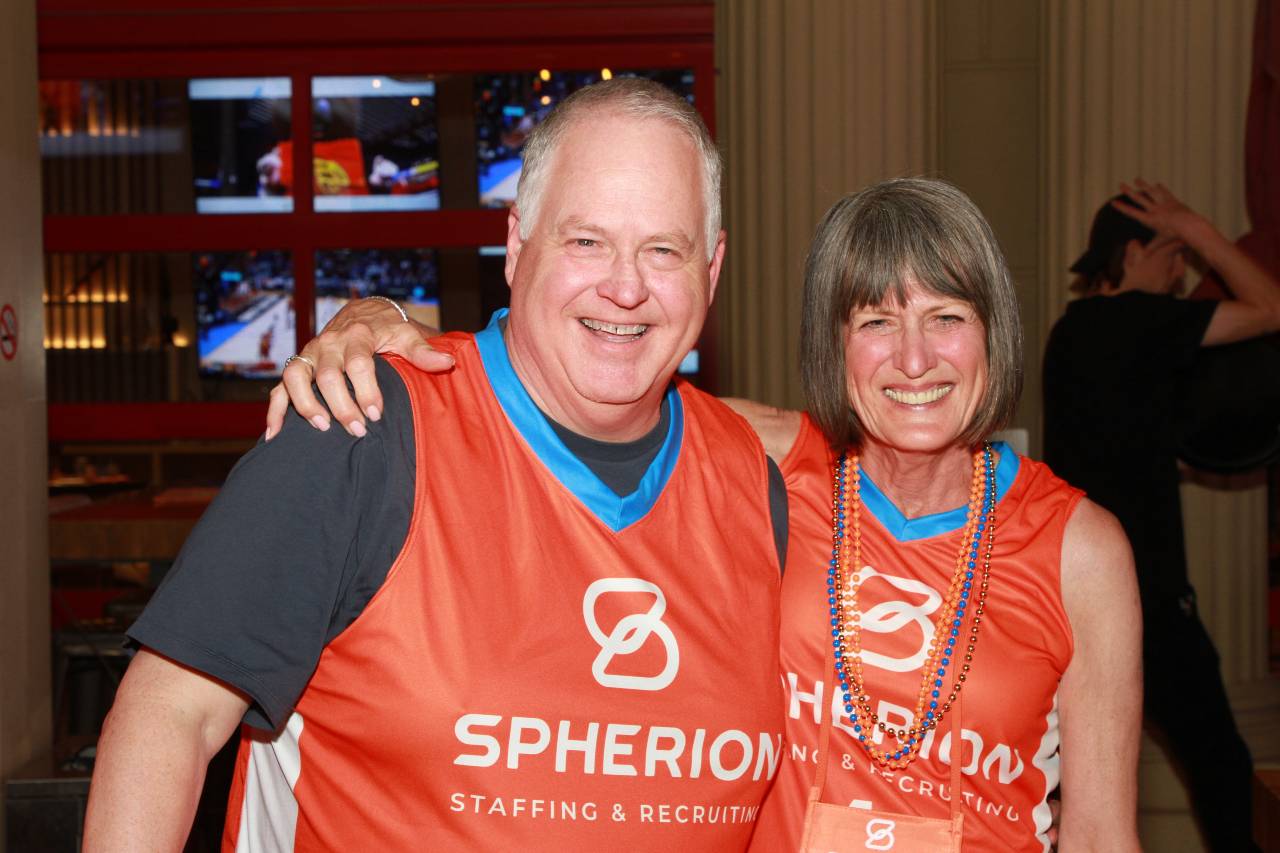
x=209, y=232
x=104, y=63
x=484, y=7
x=158, y=26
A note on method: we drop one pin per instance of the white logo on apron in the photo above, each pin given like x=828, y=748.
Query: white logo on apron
x=879, y=834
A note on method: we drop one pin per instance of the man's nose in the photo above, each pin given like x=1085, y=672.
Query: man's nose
x=625, y=285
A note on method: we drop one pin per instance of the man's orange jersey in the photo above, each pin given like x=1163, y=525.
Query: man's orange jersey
x=547, y=666
x=1009, y=706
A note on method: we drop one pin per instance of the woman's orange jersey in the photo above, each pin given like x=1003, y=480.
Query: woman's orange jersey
x=1009, y=703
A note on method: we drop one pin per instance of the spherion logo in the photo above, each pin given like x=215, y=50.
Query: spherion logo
x=880, y=834
x=629, y=634
x=891, y=616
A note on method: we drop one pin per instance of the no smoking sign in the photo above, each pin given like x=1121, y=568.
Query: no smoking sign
x=8, y=332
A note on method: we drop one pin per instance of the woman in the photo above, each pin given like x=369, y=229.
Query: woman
x=940, y=590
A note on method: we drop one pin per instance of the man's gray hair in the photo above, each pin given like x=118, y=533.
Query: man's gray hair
x=634, y=97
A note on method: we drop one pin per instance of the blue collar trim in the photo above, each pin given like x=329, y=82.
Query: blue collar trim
x=909, y=529
x=615, y=512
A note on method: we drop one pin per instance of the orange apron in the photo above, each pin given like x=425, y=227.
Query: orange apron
x=832, y=828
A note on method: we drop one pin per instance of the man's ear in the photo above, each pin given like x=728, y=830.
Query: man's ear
x=717, y=260
x=1134, y=252
x=514, y=243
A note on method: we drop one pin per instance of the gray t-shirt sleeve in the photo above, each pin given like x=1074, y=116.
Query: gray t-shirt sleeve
x=299, y=538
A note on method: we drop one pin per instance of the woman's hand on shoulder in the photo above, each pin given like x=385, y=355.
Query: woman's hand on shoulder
x=777, y=428
x=1100, y=698
x=345, y=350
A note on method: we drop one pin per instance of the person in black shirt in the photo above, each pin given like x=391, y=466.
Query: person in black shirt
x=1115, y=374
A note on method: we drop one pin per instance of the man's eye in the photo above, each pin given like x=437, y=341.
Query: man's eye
x=585, y=242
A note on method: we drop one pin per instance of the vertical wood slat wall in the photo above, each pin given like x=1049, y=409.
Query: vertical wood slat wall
x=1142, y=88
x=113, y=147
x=815, y=99
x=990, y=64
x=104, y=139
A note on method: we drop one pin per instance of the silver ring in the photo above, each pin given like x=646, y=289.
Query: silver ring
x=302, y=358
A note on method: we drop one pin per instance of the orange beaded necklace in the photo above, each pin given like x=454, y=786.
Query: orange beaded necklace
x=844, y=577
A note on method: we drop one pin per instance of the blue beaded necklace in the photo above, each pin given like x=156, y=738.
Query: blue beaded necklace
x=843, y=578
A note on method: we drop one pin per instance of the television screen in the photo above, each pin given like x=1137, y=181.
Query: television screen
x=244, y=313
x=509, y=106
x=239, y=127
x=375, y=144
x=409, y=276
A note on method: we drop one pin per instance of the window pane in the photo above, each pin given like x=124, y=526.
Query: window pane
x=510, y=105
x=409, y=276
x=376, y=146
x=163, y=146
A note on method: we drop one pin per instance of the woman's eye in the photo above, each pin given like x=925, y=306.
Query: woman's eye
x=954, y=319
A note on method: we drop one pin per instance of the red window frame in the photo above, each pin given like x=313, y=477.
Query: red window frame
x=92, y=39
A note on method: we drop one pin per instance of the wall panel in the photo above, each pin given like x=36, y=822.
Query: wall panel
x=1158, y=89
x=25, y=712
x=816, y=99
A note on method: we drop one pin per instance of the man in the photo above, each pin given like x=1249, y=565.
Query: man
x=1116, y=372
x=492, y=625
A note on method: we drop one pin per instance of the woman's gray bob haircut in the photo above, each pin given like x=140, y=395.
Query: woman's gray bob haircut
x=866, y=248
x=634, y=97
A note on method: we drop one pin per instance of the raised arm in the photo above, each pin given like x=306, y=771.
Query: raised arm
x=1100, y=698
x=346, y=346
x=165, y=725
x=1255, y=307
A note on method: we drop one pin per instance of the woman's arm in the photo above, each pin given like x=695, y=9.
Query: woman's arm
x=368, y=326
x=345, y=350
x=1100, y=698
